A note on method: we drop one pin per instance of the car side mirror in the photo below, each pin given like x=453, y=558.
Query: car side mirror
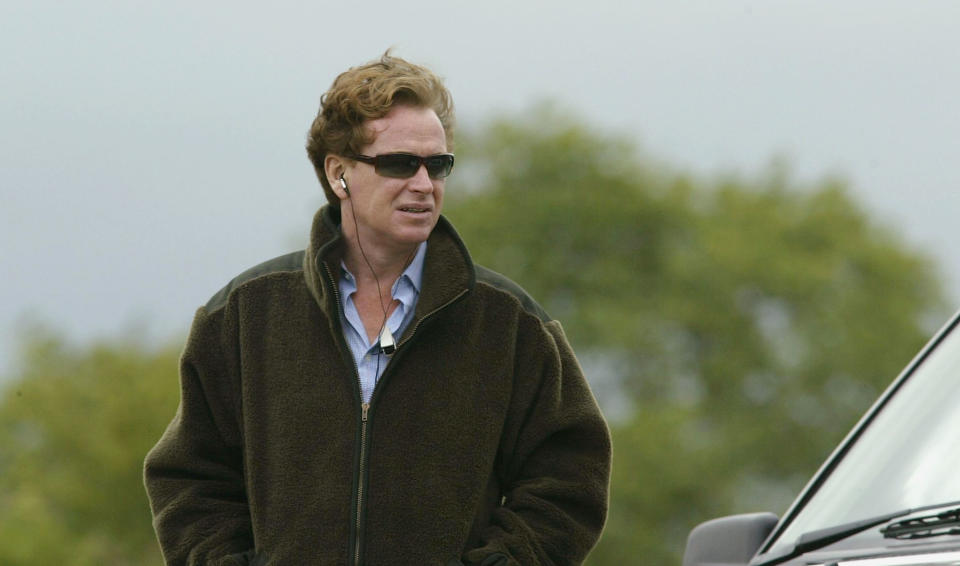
x=728, y=541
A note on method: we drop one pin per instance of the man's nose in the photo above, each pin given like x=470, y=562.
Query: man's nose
x=421, y=181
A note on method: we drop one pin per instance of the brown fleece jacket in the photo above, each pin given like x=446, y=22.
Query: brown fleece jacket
x=482, y=442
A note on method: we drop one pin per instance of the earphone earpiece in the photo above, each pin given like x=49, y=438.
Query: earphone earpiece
x=343, y=183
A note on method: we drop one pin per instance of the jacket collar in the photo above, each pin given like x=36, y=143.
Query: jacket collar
x=448, y=271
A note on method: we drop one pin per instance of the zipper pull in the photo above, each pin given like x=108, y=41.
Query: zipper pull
x=364, y=409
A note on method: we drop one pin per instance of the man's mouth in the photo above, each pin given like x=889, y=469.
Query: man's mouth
x=413, y=209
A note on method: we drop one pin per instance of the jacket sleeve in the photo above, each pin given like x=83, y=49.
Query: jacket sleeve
x=194, y=475
x=555, y=463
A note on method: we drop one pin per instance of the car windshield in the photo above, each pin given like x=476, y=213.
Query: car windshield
x=906, y=458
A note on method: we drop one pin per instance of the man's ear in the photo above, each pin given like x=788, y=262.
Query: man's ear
x=334, y=167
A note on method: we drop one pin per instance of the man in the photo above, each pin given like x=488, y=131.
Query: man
x=378, y=398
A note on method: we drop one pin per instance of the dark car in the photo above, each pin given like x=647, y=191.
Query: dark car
x=889, y=495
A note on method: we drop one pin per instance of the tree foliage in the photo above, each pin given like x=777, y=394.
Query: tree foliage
x=733, y=328
x=75, y=425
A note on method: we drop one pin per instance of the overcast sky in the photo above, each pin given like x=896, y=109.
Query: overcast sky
x=152, y=150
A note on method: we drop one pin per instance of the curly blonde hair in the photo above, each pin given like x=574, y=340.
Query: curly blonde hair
x=366, y=93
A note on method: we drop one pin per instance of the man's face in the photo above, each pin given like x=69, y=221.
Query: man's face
x=395, y=214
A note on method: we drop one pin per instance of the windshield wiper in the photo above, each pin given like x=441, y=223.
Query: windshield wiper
x=943, y=523
x=940, y=524
x=818, y=539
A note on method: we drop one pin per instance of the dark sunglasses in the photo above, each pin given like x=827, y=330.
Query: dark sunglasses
x=406, y=165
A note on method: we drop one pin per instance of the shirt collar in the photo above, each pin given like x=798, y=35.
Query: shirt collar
x=414, y=271
x=413, y=274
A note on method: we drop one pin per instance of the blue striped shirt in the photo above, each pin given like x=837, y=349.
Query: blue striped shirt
x=366, y=354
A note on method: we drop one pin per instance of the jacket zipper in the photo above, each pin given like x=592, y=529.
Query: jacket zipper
x=364, y=416
x=365, y=408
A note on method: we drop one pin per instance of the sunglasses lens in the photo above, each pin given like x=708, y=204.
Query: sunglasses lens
x=438, y=166
x=398, y=165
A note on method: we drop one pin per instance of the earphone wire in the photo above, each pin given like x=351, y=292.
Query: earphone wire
x=375, y=277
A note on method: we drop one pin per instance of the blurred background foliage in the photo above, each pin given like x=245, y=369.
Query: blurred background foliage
x=733, y=329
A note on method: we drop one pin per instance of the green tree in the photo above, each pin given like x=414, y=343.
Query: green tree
x=748, y=322
x=75, y=425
